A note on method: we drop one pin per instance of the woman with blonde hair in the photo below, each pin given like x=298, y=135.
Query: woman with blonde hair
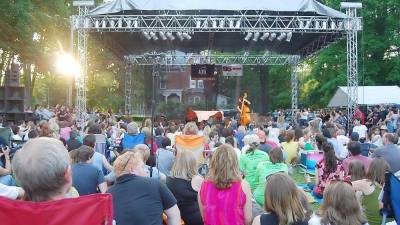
x=225, y=198
x=184, y=182
x=340, y=207
x=190, y=129
x=284, y=202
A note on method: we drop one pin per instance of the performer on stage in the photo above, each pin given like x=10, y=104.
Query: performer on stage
x=244, y=109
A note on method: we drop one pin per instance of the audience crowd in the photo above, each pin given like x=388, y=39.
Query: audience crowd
x=239, y=175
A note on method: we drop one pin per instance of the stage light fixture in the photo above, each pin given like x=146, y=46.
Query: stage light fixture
x=96, y=24
x=256, y=36
x=340, y=25
x=281, y=36
x=238, y=24
x=308, y=23
x=186, y=35
x=170, y=36
x=205, y=24
x=289, y=36
x=129, y=23
x=272, y=36
x=333, y=25
x=231, y=24
x=179, y=35
x=103, y=24
x=198, y=24
x=120, y=23
x=264, y=36
x=162, y=35
x=153, y=35
x=112, y=23
x=301, y=24
x=324, y=24
x=221, y=23
x=317, y=24
x=214, y=24
x=146, y=35
x=135, y=24
x=248, y=36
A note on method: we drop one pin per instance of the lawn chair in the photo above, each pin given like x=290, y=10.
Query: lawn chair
x=94, y=209
x=391, y=198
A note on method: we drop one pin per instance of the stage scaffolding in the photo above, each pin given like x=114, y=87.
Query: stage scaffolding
x=244, y=22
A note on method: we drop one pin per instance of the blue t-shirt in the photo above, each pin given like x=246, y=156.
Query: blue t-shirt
x=86, y=178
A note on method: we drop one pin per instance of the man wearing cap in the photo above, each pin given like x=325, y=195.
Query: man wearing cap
x=390, y=152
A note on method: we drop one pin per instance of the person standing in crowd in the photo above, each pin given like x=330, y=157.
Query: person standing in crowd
x=86, y=178
x=284, y=203
x=390, y=152
x=265, y=169
x=360, y=129
x=42, y=168
x=340, y=151
x=328, y=169
x=224, y=198
x=354, y=148
x=165, y=156
x=184, y=182
x=98, y=159
x=138, y=199
x=340, y=206
x=231, y=141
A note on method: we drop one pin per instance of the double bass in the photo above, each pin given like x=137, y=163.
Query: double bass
x=244, y=109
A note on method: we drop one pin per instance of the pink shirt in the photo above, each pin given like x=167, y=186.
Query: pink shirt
x=365, y=160
x=65, y=133
x=222, y=206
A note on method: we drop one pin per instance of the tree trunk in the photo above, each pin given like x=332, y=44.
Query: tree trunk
x=264, y=90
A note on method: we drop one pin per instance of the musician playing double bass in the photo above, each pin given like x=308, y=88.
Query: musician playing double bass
x=244, y=109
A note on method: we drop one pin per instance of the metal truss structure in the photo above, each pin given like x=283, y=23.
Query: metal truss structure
x=128, y=89
x=168, y=23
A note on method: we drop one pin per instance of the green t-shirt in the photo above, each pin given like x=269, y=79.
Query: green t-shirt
x=248, y=164
x=265, y=169
x=371, y=207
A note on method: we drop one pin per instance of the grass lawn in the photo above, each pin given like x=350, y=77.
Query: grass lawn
x=298, y=177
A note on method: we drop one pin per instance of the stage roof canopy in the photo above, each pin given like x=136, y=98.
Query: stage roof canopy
x=126, y=43
x=368, y=95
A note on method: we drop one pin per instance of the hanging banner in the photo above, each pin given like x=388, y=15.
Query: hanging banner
x=203, y=72
x=233, y=70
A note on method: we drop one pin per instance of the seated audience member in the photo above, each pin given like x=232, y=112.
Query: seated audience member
x=356, y=171
x=159, y=135
x=43, y=170
x=138, y=199
x=224, y=198
x=340, y=151
x=184, y=182
x=132, y=137
x=328, y=169
x=72, y=142
x=143, y=153
x=5, y=169
x=355, y=151
x=231, y=141
x=370, y=188
x=269, y=140
x=265, y=169
x=340, y=206
x=214, y=139
x=284, y=203
x=165, y=156
x=390, y=152
x=98, y=159
x=265, y=147
x=290, y=147
x=86, y=178
x=248, y=163
x=305, y=141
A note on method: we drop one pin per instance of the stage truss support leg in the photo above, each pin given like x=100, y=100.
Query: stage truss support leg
x=352, y=25
x=80, y=81
x=294, y=84
x=128, y=89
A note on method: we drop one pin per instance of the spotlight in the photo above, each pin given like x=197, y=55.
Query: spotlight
x=264, y=36
x=272, y=36
x=129, y=23
x=317, y=24
x=205, y=24
x=214, y=24
x=198, y=24
x=170, y=36
x=112, y=23
x=301, y=24
x=256, y=36
x=324, y=25
x=179, y=35
x=308, y=23
x=222, y=23
x=231, y=24
x=153, y=35
x=340, y=25
x=238, y=24
x=289, y=36
x=248, y=36
x=333, y=25
x=103, y=24
x=135, y=23
x=281, y=36
x=120, y=23
x=162, y=35
x=186, y=35
x=146, y=35
x=96, y=24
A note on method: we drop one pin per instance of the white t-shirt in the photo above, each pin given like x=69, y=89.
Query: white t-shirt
x=9, y=191
x=361, y=130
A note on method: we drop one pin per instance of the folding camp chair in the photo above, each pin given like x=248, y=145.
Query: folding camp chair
x=391, y=198
x=94, y=209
